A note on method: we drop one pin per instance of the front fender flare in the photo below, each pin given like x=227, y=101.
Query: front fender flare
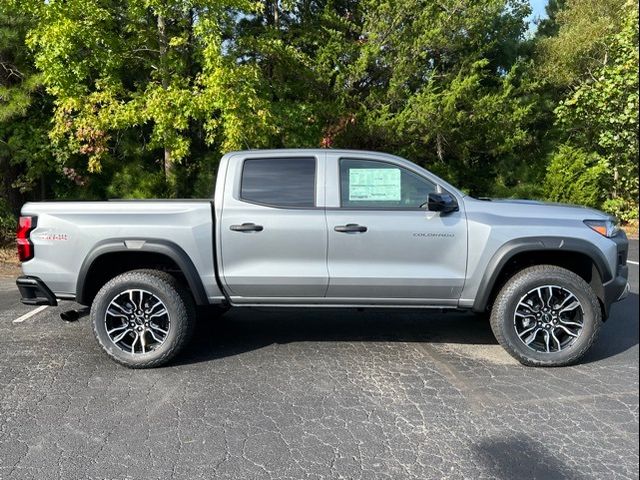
x=536, y=244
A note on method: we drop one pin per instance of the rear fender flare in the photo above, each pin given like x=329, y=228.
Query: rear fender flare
x=159, y=246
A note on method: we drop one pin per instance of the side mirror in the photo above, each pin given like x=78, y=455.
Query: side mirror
x=442, y=202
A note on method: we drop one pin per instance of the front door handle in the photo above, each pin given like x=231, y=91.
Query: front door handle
x=247, y=227
x=351, y=228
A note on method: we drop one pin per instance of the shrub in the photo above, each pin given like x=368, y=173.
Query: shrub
x=8, y=223
x=576, y=176
x=621, y=209
x=528, y=191
x=134, y=181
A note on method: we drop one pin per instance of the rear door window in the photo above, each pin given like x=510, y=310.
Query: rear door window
x=279, y=182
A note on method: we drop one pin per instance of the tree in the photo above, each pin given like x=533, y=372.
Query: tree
x=595, y=60
x=582, y=43
x=25, y=156
x=548, y=27
x=442, y=83
x=146, y=71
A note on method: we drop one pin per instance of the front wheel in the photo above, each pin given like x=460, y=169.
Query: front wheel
x=142, y=318
x=546, y=316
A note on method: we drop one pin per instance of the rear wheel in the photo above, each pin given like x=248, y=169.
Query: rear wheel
x=546, y=316
x=142, y=318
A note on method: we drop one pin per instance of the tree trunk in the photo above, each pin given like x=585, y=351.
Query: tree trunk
x=164, y=78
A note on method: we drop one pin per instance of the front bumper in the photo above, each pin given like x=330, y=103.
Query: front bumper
x=616, y=290
x=35, y=292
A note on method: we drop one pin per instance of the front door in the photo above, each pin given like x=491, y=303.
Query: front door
x=273, y=236
x=384, y=246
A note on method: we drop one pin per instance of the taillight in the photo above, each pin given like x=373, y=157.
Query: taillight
x=25, y=247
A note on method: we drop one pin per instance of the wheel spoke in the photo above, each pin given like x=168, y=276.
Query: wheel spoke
x=550, y=288
x=122, y=335
x=115, y=314
x=522, y=334
x=573, y=324
x=157, y=328
x=546, y=340
x=532, y=337
x=122, y=309
x=553, y=334
x=159, y=314
x=143, y=342
x=153, y=335
x=117, y=329
x=526, y=305
x=569, y=332
x=540, y=295
x=564, y=302
x=150, y=310
x=141, y=300
x=569, y=308
x=135, y=340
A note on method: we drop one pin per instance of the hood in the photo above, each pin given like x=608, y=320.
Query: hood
x=540, y=206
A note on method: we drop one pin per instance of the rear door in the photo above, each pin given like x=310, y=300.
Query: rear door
x=384, y=246
x=273, y=234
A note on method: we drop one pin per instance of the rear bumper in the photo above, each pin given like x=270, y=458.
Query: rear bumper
x=35, y=292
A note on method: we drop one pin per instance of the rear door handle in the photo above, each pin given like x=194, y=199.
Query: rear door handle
x=351, y=228
x=247, y=227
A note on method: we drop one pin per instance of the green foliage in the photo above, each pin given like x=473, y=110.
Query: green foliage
x=581, y=44
x=575, y=176
x=600, y=113
x=621, y=209
x=8, y=222
x=133, y=181
x=103, y=98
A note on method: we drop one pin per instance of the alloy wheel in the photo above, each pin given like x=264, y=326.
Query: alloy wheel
x=137, y=321
x=548, y=319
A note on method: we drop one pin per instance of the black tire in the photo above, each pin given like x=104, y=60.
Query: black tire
x=179, y=305
x=504, y=308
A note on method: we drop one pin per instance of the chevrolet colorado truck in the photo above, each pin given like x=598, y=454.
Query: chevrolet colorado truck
x=325, y=228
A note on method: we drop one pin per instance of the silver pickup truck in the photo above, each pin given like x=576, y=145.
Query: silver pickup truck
x=326, y=228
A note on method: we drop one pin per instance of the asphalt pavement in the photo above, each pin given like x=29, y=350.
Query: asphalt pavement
x=331, y=394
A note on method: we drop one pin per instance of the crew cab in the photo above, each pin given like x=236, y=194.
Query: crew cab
x=325, y=228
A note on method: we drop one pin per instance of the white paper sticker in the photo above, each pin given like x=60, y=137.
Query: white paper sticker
x=374, y=184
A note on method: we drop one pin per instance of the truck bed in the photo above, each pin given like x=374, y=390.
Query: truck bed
x=69, y=234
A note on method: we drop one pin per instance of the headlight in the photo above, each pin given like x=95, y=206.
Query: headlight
x=608, y=228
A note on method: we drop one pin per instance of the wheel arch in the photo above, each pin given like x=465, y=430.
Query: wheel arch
x=112, y=257
x=577, y=255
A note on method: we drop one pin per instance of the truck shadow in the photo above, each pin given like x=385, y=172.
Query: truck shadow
x=619, y=333
x=520, y=456
x=246, y=329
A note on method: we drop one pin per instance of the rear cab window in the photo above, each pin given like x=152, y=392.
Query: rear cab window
x=279, y=182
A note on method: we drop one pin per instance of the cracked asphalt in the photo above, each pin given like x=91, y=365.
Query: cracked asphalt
x=330, y=394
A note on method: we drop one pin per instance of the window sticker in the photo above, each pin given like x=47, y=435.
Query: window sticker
x=377, y=184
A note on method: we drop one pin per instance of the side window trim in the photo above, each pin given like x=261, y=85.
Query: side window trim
x=282, y=207
x=437, y=187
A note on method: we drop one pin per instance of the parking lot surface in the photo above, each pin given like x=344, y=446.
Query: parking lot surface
x=315, y=394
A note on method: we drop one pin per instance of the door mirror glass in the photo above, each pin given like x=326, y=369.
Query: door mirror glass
x=442, y=202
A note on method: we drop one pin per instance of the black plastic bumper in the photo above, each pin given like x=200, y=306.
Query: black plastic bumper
x=35, y=292
x=617, y=289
